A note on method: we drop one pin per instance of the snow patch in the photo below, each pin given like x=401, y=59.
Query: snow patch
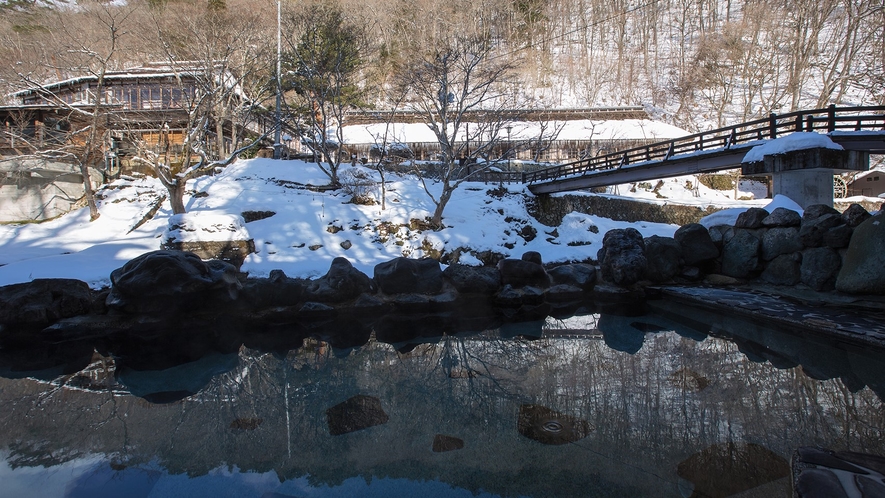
x=794, y=141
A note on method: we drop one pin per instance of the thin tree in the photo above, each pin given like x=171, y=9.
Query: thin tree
x=447, y=84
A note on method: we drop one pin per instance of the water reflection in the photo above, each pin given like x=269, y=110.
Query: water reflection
x=589, y=405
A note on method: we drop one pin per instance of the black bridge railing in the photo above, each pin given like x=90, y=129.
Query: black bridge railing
x=829, y=120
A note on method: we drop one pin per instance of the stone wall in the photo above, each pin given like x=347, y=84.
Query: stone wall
x=550, y=210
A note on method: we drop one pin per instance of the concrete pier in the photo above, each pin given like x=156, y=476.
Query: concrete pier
x=806, y=175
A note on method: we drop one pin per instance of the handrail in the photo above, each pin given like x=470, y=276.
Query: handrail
x=830, y=119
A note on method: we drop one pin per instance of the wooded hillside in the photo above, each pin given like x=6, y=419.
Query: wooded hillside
x=695, y=63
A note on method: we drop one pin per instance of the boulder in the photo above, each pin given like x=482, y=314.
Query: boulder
x=532, y=256
x=838, y=237
x=409, y=276
x=473, y=279
x=740, y=255
x=520, y=273
x=751, y=218
x=780, y=240
x=863, y=270
x=342, y=282
x=783, y=270
x=697, y=243
x=782, y=217
x=820, y=267
x=209, y=235
x=664, y=257
x=815, y=211
x=275, y=290
x=43, y=301
x=170, y=281
x=855, y=215
x=812, y=231
x=622, y=257
x=582, y=276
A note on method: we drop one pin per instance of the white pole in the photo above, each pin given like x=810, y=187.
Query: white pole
x=277, y=145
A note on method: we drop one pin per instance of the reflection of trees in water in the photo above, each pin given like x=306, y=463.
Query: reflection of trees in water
x=648, y=410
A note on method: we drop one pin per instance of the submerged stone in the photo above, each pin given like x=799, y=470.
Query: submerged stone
x=357, y=413
x=442, y=443
x=551, y=427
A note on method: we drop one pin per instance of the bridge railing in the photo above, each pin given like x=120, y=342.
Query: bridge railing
x=826, y=120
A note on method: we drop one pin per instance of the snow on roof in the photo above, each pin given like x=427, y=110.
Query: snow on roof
x=581, y=129
x=794, y=141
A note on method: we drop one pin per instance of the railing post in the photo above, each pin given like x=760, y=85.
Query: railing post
x=799, y=122
x=831, y=118
x=701, y=142
x=772, y=125
x=809, y=123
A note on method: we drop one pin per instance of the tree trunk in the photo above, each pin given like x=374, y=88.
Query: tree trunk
x=176, y=198
x=89, y=193
x=436, y=220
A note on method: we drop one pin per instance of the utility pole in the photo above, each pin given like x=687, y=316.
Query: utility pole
x=277, y=145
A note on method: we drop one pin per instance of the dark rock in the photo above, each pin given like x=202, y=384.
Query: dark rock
x=812, y=231
x=869, y=487
x=474, y=279
x=532, y=257
x=855, y=215
x=782, y=217
x=357, y=413
x=412, y=276
x=622, y=257
x=697, y=243
x=43, y=301
x=815, y=211
x=664, y=257
x=691, y=273
x=719, y=234
x=866, y=460
x=511, y=296
x=837, y=237
x=815, y=456
x=250, y=216
x=783, y=270
x=564, y=292
x=780, y=240
x=740, y=255
x=276, y=290
x=342, y=282
x=169, y=281
x=863, y=271
x=521, y=273
x=580, y=275
x=551, y=427
x=820, y=267
x=442, y=443
x=818, y=483
x=751, y=218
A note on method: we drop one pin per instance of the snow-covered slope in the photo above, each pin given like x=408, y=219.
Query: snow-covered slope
x=310, y=228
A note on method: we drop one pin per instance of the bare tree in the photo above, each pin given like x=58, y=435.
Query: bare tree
x=445, y=85
x=214, y=53
x=87, y=44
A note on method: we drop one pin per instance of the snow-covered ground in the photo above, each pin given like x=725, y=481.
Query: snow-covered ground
x=310, y=229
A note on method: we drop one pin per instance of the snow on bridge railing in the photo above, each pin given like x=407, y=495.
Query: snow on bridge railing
x=816, y=120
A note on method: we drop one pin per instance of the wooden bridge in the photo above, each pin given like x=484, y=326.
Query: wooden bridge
x=854, y=128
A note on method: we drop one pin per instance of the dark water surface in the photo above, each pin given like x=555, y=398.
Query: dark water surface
x=593, y=405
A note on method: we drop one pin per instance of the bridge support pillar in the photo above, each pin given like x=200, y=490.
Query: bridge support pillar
x=806, y=176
